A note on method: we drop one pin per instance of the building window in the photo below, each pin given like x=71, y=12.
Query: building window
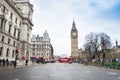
x=11, y=16
x=1, y=23
x=33, y=45
x=14, y=43
x=2, y=38
x=20, y=24
x=1, y=50
x=8, y=40
x=7, y=53
x=16, y=20
x=18, y=35
x=9, y=28
x=27, y=37
x=13, y=53
x=14, y=31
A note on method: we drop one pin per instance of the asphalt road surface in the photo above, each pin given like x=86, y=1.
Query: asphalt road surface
x=60, y=71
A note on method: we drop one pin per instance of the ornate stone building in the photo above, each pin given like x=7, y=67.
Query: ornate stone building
x=82, y=54
x=74, y=41
x=113, y=53
x=15, y=29
x=41, y=46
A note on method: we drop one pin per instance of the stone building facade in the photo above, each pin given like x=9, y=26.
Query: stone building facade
x=114, y=53
x=15, y=29
x=41, y=46
x=82, y=54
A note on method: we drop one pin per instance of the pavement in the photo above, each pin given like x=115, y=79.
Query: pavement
x=18, y=66
x=22, y=65
x=60, y=71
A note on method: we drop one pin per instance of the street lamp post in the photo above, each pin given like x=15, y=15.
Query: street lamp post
x=27, y=56
x=16, y=56
x=16, y=51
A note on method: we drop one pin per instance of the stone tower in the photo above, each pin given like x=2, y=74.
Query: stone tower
x=74, y=41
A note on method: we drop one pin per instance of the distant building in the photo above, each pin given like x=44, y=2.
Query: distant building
x=41, y=46
x=15, y=28
x=82, y=54
x=113, y=53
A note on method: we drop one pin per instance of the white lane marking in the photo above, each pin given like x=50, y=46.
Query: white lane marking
x=87, y=71
x=112, y=73
x=36, y=77
x=16, y=79
x=119, y=77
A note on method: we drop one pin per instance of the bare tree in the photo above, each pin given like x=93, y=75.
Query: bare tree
x=96, y=44
x=105, y=44
x=91, y=45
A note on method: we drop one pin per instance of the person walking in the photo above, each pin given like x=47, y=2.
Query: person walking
x=86, y=62
x=7, y=62
x=26, y=62
x=3, y=62
x=0, y=62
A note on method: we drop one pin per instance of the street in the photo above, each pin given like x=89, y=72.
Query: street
x=60, y=71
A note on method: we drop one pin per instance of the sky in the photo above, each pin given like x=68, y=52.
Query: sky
x=56, y=16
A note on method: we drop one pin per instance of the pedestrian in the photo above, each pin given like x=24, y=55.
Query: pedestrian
x=0, y=62
x=11, y=63
x=15, y=63
x=26, y=62
x=86, y=61
x=7, y=62
x=3, y=62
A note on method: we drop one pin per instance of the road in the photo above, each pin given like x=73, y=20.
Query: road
x=60, y=71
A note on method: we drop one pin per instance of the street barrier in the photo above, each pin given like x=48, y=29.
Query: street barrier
x=112, y=65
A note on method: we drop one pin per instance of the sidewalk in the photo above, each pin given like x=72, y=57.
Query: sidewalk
x=18, y=66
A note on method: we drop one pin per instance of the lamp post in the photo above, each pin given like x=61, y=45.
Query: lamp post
x=27, y=56
x=16, y=51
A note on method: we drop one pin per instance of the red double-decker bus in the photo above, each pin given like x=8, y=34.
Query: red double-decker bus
x=65, y=60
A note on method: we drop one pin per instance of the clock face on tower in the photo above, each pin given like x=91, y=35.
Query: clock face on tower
x=74, y=34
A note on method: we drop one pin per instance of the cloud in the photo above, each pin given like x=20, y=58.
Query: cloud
x=56, y=17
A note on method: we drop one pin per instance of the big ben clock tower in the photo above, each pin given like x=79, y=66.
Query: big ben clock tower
x=74, y=41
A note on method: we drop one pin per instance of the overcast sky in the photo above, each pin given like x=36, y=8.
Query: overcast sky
x=56, y=16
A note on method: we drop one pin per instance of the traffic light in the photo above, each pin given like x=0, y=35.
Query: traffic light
x=16, y=51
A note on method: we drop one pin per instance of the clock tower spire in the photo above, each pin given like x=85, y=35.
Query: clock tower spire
x=73, y=25
x=74, y=41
